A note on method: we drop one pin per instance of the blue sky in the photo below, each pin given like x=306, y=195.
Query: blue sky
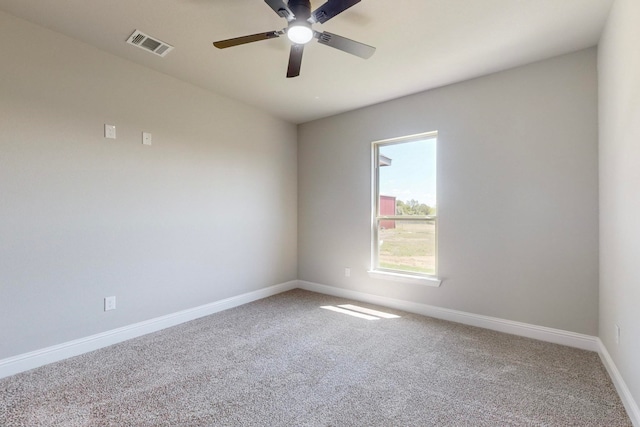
x=412, y=174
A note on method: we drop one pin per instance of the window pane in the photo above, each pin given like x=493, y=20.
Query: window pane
x=405, y=186
x=407, y=178
x=407, y=245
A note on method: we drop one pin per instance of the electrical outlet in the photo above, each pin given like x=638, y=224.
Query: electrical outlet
x=347, y=272
x=617, y=334
x=109, y=303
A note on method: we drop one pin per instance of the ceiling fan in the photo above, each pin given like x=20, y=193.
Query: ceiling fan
x=298, y=14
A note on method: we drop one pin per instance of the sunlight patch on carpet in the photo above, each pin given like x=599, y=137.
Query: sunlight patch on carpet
x=369, y=311
x=360, y=312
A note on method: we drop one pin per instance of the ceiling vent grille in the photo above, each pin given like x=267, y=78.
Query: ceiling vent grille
x=143, y=41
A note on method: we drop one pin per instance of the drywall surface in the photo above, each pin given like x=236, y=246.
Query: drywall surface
x=205, y=213
x=517, y=194
x=619, y=108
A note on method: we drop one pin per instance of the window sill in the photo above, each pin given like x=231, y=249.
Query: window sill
x=405, y=278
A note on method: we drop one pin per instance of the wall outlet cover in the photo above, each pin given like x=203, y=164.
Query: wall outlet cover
x=109, y=303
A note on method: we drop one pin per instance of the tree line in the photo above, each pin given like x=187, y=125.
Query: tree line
x=413, y=207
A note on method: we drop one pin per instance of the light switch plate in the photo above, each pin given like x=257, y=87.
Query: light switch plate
x=146, y=138
x=110, y=131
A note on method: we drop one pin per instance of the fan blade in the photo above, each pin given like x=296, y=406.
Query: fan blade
x=222, y=44
x=295, y=60
x=281, y=8
x=346, y=45
x=330, y=9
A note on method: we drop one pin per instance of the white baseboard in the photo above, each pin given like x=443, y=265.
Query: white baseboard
x=556, y=336
x=625, y=395
x=34, y=359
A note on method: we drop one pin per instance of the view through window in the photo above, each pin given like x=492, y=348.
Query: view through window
x=404, y=232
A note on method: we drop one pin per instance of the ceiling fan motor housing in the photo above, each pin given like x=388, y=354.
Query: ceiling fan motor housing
x=301, y=9
x=299, y=30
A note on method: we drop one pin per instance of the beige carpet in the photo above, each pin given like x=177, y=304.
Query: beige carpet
x=285, y=361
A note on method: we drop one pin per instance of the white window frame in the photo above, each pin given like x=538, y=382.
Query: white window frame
x=385, y=273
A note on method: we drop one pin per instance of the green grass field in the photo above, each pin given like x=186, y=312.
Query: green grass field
x=410, y=246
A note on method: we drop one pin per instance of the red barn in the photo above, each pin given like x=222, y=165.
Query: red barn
x=387, y=207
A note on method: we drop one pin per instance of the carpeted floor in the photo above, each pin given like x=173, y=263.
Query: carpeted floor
x=285, y=361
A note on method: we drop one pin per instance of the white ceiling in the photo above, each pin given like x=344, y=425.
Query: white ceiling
x=421, y=44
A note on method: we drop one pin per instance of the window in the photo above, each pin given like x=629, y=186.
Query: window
x=404, y=226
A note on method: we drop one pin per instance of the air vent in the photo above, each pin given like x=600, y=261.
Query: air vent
x=143, y=41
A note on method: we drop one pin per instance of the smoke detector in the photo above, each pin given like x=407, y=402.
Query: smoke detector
x=148, y=43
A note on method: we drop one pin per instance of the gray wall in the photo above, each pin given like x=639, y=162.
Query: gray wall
x=207, y=212
x=517, y=202
x=619, y=107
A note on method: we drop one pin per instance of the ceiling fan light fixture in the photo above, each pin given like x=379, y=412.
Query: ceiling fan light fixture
x=300, y=32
